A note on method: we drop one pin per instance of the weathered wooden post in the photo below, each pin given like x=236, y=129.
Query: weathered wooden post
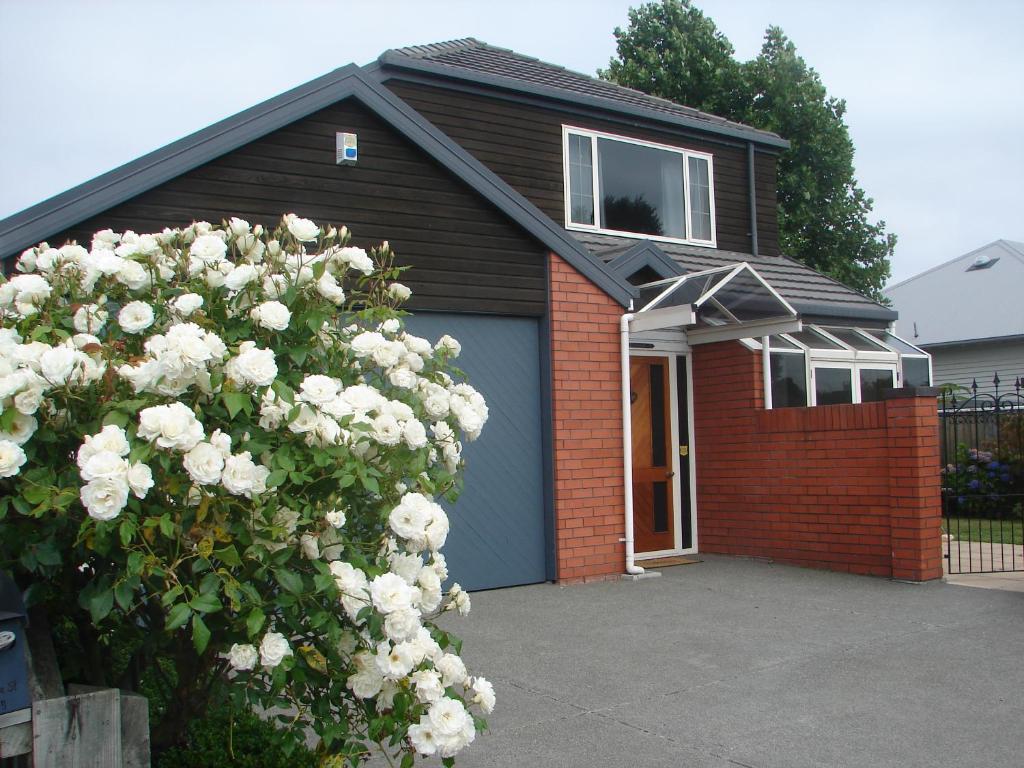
x=89, y=728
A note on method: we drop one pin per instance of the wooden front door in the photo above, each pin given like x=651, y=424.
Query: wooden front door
x=653, y=518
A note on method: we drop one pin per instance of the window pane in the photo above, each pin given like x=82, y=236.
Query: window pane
x=833, y=386
x=777, y=342
x=700, y=199
x=855, y=340
x=873, y=381
x=915, y=372
x=581, y=180
x=641, y=189
x=814, y=340
x=789, y=380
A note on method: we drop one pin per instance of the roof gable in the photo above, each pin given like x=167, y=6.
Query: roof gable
x=644, y=254
x=472, y=60
x=86, y=200
x=954, y=303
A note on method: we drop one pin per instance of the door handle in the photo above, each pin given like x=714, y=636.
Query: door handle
x=670, y=474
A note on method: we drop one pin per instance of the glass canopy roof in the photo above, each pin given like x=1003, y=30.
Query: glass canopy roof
x=734, y=296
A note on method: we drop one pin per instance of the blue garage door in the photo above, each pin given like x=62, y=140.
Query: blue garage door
x=498, y=532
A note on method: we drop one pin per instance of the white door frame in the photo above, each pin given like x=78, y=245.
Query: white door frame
x=672, y=351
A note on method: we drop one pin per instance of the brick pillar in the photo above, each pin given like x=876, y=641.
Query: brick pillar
x=912, y=425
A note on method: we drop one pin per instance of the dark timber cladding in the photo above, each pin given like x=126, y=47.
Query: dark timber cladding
x=522, y=143
x=465, y=254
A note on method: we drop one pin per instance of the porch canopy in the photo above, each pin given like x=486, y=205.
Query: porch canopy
x=730, y=302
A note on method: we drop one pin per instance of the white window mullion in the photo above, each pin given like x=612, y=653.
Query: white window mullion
x=687, y=224
x=595, y=162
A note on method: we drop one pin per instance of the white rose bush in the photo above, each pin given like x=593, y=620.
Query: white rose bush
x=222, y=441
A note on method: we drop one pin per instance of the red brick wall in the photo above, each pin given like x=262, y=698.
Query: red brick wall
x=847, y=487
x=587, y=430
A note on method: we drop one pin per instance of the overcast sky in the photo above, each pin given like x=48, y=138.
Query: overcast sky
x=934, y=89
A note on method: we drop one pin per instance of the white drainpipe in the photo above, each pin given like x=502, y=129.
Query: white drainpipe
x=627, y=446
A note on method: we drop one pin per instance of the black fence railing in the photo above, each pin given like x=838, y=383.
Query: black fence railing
x=982, y=448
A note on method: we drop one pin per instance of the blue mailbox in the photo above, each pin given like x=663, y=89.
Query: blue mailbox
x=15, y=699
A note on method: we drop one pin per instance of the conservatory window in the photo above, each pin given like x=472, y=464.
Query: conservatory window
x=638, y=188
x=828, y=366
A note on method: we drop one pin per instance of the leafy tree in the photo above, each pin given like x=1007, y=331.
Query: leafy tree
x=672, y=50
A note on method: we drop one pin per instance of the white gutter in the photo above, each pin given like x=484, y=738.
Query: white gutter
x=766, y=373
x=627, y=446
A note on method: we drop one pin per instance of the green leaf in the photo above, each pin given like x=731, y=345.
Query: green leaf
x=289, y=580
x=237, y=401
x=276, y=477
x=35, y=494
x=205, y=603
x=408, y=760
x=200, y=634
x=178, y=616
x=167, y=526
x=285, y=461
x=254, y=621
x=127, y=531
x=228, y=555
x=100, y=605
x=123, y=594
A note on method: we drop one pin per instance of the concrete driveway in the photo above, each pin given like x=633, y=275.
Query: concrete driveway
x=732, y=662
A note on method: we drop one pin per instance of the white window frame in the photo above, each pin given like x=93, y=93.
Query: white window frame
x=595, y=160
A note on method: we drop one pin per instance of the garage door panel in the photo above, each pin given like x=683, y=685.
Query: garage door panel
x=497, y=537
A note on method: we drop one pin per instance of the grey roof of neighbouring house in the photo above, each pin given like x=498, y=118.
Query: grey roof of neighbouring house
x=476, y=61
x=975, y=297
x=810, y=292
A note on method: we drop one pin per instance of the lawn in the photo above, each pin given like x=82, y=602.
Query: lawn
x=980, y=529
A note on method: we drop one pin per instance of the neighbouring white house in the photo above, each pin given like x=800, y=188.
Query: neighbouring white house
x=969, y=314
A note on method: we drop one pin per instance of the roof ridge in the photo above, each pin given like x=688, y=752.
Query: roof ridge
x=948, y=262
x=430, y=52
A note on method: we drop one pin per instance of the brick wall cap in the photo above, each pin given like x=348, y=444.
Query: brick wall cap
x=901, y=393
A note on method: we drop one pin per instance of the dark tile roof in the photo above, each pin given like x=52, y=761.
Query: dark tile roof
x=810, y=292
x=473, y=59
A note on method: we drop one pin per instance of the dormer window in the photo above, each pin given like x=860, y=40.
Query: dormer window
x=637, y=188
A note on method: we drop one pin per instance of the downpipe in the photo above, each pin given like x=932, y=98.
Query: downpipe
x=627, y=446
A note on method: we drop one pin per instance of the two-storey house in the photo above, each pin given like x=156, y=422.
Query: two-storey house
x=662, y=380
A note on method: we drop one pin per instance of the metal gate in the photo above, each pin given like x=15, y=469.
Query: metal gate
x=982, y=447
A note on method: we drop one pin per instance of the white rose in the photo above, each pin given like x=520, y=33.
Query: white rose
x=421, y=735
x=22, y=429
x=395, y=662
x=450, y=346
x=305, y=420
x=238, y=227
x=172, y=426
x=399, y=292
x=366, y=343
x=273, y=649
x=204, y=464
x=318, y=389
x=104, y=465
x=327, y=286
x=483, y=694
x=208, y=249
x=302, y=230
x=90, y=318
x=386, y=430
x=448, y=716
x=243, y=477
x=12, y=457
x=406, y=565
x=365, y=684
x=428, y=685
x=242, y=657
x=357, y=259
x=403, y=378
x=135, y=317
x=240, y=277
x=111, y=438
x=414, y=434
x=186, y=304
x=105, y=498
x=452, y=669
x=252, y=366
x=271, y=314
x=335, y=518
x=140, y=479
x=57, y=364
x=133, y=275
x=402, y=624
x=389, y=592
x=28, y=400
x=411, y=517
